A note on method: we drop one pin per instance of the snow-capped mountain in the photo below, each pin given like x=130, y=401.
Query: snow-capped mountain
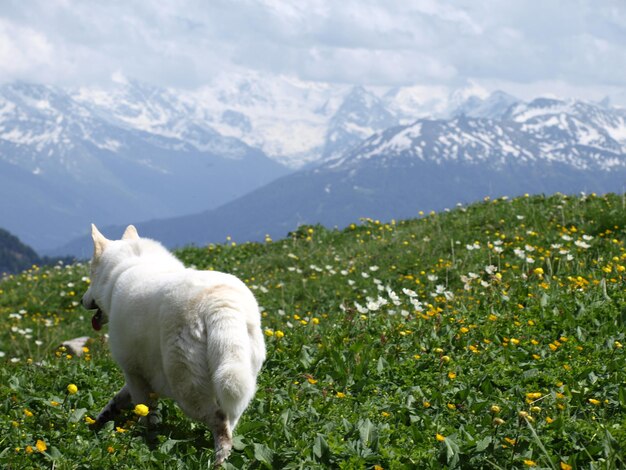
x=360, y=115
x=64, y=162
x=543, y=146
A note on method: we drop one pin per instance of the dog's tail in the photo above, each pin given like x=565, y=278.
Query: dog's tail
x=234, y=378
x=235, y=387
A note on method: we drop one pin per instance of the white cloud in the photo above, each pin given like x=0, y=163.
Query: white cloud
x=377, y=42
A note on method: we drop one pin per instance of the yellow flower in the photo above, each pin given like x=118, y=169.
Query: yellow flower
x=312, y=381
x=445, y=358
x=41, y=446
x=451, y=375
x=110, y=449
x=439, y=437
x=385, y=414
x=530, y=463
x=72, y=389
x=28, y=450
x=279, y=334
x=593, y=401
x=89, y=420
x=565, y=466
x=533, y=395
x=120, y=430
x=451, y=406
x=269, y=332
x=141, y=410
x=426, y=404
x=28, y=413
x=54, y=403
x=495, y=409
x=340, y=395
x=497, y=421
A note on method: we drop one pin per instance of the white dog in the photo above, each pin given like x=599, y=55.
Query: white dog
x=194, y=336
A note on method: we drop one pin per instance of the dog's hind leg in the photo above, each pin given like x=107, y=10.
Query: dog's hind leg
x=222, y=435
x=119, y=402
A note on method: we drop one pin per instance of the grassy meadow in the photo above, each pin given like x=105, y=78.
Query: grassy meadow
x=488, y=336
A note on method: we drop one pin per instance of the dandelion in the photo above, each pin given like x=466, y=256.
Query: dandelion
x=451, y=406
x=269, y=332
x=72, y=389
x=89, y=420
x=495, y=409
x=451, y=375
x=530, y=463
x=279, y=334
x=141, y=410
x=498, y=421
x=340, y=395
x=439, y=437
x=311, y=380
x=565, y=466
x=595, y=402
x=28, y=413
x=41, y=446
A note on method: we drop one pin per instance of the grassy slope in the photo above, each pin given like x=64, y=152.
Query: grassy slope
x=535, y=344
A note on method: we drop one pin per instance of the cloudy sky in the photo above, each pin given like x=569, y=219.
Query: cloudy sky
x=524, y=46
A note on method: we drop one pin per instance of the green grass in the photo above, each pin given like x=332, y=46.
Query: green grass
x=484, y=337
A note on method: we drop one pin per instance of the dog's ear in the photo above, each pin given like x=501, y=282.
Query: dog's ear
x=99, y=242
x=130, y=233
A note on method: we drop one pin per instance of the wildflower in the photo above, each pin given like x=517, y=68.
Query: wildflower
x=41, y=446
x=426, y=404
x=141, y=410
x=340, y=395
x=312, y=381
x=110, y=449
x=451, y=406
x=439, y=437
x=495, y=409
x=89, y=420
x=533, y=396
x=451, y=375
x=497, y=421
x=595, y=402
x=538, y=271
x=279, y=334
x=618, y=345
x=29, y=449
x=28, y=413
x=510, y=441
x=72, y=389
x=385, y=414
x=445, y=358
x=530, y=463
x=54, y=403
x=269, y=332
x=120, y=429
x=565, y=466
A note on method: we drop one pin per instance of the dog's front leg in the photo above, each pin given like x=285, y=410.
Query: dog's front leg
x=119, y=402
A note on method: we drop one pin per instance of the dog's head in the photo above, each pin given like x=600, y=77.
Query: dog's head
x=103, y=249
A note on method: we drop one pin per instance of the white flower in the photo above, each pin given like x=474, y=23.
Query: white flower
x=530, y=260
x=587, y=237
x=567, y=238
x=556, y=246
x=519, y=253
x=432, y=277
x=409, y=292
x=2, y=354
x=529, y=248
x=374, y=268
x=365, y=275
x=491, y=269
x=581, y=244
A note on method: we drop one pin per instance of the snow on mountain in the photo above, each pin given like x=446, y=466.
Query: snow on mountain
x=134, y=151
x=573, y=133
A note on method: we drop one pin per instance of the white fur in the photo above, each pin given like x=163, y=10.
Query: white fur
x=194, y=336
